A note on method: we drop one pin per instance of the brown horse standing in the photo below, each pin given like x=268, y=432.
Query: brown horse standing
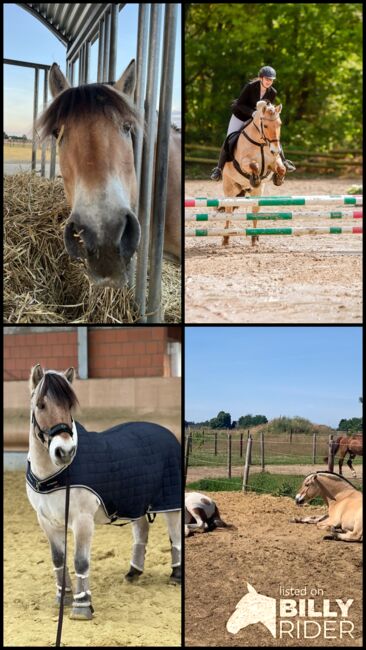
x=94, y=124
x=347, y=444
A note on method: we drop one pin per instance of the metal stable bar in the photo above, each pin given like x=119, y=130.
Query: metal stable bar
x=148, y=157
x=141, y=69
x=87, y=61
x=35, y=111
x=44, y=146
x=113, y=44
x=100, y=50
x=161, y=167
x=107, y=36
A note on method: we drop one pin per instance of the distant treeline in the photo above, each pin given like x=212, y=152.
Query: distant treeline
x=282, y=424
x=316, y=50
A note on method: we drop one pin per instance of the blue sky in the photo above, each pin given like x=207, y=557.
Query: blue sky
x=26, y=39
x=313, y=372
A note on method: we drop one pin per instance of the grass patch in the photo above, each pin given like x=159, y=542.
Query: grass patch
x=278, y=485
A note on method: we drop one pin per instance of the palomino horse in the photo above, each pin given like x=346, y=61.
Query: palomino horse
x=124, y=473
x=256, y=156
x=201, y=513
x=94, y=125
x=347, y=444
x=344, y=518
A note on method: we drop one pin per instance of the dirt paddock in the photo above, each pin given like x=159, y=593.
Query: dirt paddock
x=147, y=613
x=284, y=279
x=268, y=552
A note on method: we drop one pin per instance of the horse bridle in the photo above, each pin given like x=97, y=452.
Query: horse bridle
x=52, y=432
x=261, y=132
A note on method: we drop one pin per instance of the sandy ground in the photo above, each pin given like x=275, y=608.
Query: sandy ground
x=268, y=552
x=144, y=614
x=284, y=279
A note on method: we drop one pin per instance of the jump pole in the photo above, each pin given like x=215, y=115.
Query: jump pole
x=296, y=232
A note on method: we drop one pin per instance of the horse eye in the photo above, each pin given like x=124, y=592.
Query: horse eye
x=55, y=133
x=127, y=128
x=41, y=406
x=265, y=126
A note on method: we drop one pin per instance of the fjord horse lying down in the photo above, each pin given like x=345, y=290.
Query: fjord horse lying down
x=344, y=518
x=201, y=514
x=94, y=126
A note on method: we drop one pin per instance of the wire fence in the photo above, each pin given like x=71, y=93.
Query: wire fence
x=228, y=453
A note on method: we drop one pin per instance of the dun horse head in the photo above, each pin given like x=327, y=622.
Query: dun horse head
x=268, y=122
x=253, y=608
x=93, y=124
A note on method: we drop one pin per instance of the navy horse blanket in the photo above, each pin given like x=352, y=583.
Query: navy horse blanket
x=134, y=469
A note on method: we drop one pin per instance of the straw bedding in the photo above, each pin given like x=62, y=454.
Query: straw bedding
x=41, y=283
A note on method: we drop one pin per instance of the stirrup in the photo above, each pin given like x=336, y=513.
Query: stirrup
x=216, y=174
x=289, y=166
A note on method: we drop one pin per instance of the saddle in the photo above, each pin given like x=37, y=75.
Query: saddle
x=133, y=468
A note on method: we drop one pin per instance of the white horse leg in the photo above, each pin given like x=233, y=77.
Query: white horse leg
x=140, y=531
x=56, y=538
x=174, y=523
x=83, y=529
x=308, y=520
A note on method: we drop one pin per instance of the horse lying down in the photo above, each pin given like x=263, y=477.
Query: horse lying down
x=201, y=514
x=344, y=517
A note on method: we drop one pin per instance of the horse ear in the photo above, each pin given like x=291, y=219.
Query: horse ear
x=57, y=80
x=251, y=589
x=261, y=105
x=126, y=82
x=279, y=109
x=70, y=374
x=35, y=376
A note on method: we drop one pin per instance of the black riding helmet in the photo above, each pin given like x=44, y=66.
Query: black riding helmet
x=267, y=71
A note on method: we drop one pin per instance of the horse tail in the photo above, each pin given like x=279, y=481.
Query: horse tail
x=336, y=444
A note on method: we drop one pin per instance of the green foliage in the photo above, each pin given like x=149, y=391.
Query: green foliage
x=352, y=425
x=246, y=421
x=316, y=50
x=222, y=421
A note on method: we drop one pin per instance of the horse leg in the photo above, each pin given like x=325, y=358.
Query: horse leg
x=308, y=520
x=56, y=538
x=83, y=529
x=140, y=531
x=173, y=520
x=279, y=173
x=200, y=518
x=340, y=464
x=254, y=180
x=349, y=463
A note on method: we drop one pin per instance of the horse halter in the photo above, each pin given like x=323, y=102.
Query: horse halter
x=52, y=432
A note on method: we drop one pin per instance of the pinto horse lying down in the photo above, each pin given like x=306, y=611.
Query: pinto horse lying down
x=344, y=517
x=202, y=514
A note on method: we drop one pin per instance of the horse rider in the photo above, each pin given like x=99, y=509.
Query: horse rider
x=243, y=108
x=201, y=513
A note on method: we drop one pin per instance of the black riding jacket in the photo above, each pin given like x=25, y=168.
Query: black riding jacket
x=245, y=105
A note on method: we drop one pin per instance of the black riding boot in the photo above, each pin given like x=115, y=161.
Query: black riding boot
x=288, y=164
x=216, y=174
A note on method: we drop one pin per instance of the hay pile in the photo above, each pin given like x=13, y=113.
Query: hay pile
x=41, y=283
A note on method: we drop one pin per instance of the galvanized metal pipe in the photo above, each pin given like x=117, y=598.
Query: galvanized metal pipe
x=148, y=157
x=35, y=111
x=113, y=44
x=161, y=167
x=141, y=70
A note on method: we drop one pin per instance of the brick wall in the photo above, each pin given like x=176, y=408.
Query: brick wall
x=113, y=352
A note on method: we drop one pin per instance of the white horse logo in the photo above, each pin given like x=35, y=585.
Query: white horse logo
x=253, y=608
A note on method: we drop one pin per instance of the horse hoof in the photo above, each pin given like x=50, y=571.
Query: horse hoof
x=278, y=180
x=133, y=574
x=176, y=576
x=82, y=613
x=68, y=599
x=255, y=182
x=330, y=537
